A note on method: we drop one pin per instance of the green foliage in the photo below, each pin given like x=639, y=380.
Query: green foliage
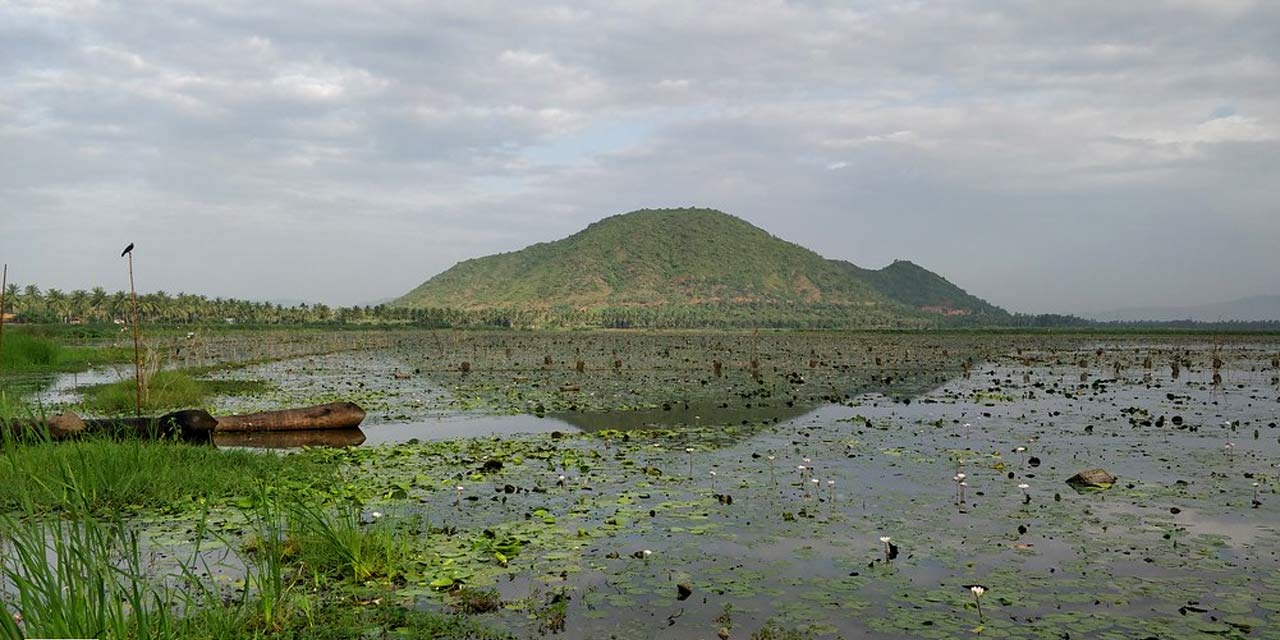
x=26, y=352
x=337, y=543
x=682, y=268
x=69, y=582
x=101, y=475
x=89, y=577
x=164, y=390
x=473, y=601
x=917, y=287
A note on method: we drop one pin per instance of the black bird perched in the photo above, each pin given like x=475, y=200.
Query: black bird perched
x=126, y=250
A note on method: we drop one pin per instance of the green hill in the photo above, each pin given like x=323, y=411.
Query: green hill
x=677, y=267
x=917, y=287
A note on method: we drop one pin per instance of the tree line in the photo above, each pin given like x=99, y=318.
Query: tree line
x=30, y=304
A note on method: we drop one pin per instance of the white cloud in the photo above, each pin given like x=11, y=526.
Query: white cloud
x=987, y=123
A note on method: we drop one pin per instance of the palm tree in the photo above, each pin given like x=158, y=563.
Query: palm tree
x=11, y=298
x=98, y=304
x=55, y=301
x=77, y=304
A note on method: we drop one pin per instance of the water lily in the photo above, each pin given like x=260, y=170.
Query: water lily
x=890, y=549
x=1026, y=497
x=978, y=590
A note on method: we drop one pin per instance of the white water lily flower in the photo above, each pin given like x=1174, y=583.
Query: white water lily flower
x=688, y=449
x=885, y=539
x=647, y=553
x=375, y=515
x=1024, y=486
x=978, y=590
x=961, y=476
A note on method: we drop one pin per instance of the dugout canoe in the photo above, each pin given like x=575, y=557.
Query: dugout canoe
x=190, y=425
x=335, y=415
x=63, y=426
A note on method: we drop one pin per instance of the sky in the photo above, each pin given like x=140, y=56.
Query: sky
x=1046, y=156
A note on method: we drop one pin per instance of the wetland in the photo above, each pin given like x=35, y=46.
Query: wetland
x=628, y=484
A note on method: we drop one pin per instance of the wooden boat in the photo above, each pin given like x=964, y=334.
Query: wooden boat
x=335, y=415
x=190, y=425
x=63, y=426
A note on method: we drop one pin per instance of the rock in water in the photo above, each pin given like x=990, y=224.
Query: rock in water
x=1092, y=479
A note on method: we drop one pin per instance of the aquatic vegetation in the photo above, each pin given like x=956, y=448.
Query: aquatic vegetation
x=104, y=475
x=561, y=529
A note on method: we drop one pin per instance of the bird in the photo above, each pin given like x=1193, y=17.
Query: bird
x=126, y=250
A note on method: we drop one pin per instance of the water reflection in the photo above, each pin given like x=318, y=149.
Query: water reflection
x=290, y=439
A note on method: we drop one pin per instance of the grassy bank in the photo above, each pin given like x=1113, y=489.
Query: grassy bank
x=90, y=577
x=164, y=390
x=100, y=474
x=26, y=353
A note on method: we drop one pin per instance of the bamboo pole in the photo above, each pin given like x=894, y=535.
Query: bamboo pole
x=4, y=284
x=137, y=362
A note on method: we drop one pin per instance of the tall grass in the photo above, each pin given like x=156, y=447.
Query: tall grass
x=23, y=352
x=84, y=579
x=100, y=474
x=335, y=543
x=88, y=577
x=163, y=390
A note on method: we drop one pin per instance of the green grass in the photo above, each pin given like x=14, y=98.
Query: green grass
x=100, y=474
x=337, y=544
x=89, y=578
x=165, y=390
x=25, y=353
x=83, y=579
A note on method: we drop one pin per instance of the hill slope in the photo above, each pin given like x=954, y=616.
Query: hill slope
x=684, y=258
x=910, y=284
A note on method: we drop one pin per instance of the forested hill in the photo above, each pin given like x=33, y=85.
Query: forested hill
x=700, y=263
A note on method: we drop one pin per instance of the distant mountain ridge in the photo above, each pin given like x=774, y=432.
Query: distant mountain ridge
x=1251, y=309
x=699, y=259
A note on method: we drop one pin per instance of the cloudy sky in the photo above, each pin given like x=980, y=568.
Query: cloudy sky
x=1054, y=156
